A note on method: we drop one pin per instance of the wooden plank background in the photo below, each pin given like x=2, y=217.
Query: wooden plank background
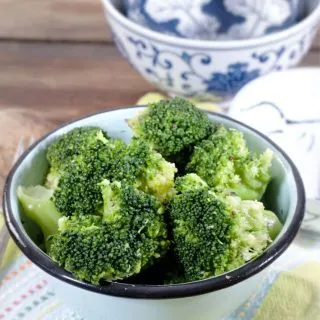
x=75, y=20
x=67, y=79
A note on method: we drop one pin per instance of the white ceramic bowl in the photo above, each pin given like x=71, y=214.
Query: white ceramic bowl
x=208, y=299
x=208, y=69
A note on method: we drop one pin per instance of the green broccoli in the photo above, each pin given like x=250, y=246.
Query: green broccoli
x=136, y=163
x=65, y=148
x=190, y=181
x=153, y=173
x=171, y=127
x=214, y=234
x=225, y=163
x=78, y=191
x=73, y=143
x=129, y=236
x=111, y=210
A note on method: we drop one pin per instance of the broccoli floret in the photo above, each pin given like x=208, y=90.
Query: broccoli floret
x=153, y=173
x=74, y=143
x=214, y=234
x=78, y=191
x=129, y=236
x=65, y=148
x=38, y=207
x=225, y=163
x=171, y=126
x=255, y=175
x=201, y=232
x=251, y=233
x=158, y=177
x=137, y=164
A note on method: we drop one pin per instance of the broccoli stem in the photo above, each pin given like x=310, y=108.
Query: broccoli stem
x=111, y=208
x=273, y=224
x=245, y=192
x=37, y=205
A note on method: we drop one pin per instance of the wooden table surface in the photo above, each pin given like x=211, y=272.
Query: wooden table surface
x=57, y=62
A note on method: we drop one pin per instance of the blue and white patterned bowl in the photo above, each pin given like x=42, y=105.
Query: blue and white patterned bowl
x=208, y=69
x=214, y=19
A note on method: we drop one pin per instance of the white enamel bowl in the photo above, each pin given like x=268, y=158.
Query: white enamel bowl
x=209, y=299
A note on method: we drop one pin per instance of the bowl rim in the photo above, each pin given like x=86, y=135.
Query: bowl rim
x=42, y=260
x=306, y=22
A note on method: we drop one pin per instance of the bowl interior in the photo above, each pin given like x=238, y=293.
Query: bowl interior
x=281, y=196
x=305, y=8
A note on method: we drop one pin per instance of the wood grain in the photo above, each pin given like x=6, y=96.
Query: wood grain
x=53, y=20
x=312, y=59
x=17, y=124
x=64, y=80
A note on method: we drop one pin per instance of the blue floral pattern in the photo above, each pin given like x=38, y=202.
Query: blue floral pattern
x=233, y=80
x=214, y=19
x=189, y=72
x=217, y=83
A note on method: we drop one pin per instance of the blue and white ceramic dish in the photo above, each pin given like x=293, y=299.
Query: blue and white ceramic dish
x=208, y=69
x=214, y=19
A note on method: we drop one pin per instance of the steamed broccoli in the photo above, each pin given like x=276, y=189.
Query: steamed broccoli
x=225, y=163
x=73, y=143
x=78, y=191
x=65, y=148
x=137, y=163
x=129, y=236
x=154, y=174
x=110, y=210
x=171, y=126
x=214, y=234
x=190, y=181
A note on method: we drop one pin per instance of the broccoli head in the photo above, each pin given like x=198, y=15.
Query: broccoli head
x=129, y=236
x=78, y=191
x=171, y=126
x=153, y=173
x=74, y=143
x=65, y=148
x=214, y=234
x=137, y=164
x=225, y=163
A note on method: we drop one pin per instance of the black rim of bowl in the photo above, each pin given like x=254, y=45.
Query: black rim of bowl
x=42, y=260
